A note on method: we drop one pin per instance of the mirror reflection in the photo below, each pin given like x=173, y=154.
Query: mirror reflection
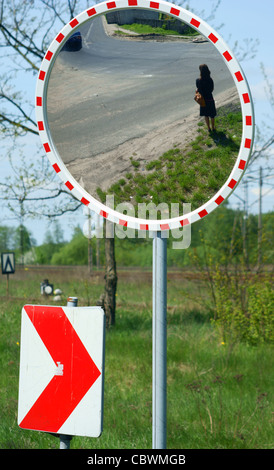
x=122, y=114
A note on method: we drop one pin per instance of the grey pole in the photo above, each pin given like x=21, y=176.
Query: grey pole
x=159, y=341
x=64, y=439
x=72, y=302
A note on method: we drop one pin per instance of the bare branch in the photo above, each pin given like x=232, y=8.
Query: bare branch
x=14, y=42
x=16, y=125
x=261, y=151
x=57, y=212
x=19, y=107
x=51, y=6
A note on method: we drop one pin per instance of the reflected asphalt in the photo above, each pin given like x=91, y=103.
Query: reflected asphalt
x=114, y=90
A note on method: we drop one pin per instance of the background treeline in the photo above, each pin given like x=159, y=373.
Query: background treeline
x=226, y=236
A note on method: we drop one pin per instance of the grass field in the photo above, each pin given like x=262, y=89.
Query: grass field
x=146, y=29
x=219, y=396
x=191, y=174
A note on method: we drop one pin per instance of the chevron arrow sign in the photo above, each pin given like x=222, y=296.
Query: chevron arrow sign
x=61, y=370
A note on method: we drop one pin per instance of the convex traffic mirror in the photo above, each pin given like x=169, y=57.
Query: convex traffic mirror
x=118, y=120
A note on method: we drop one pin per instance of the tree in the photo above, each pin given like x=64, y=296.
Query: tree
x=27, y=29
x=52, y=243
x=23, y=240
x=74, y=252
x=27, y=193
x=6, y=238
x=35, y=182
x=108, y=298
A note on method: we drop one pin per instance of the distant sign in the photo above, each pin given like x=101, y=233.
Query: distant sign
x=61, y=370
x=8, y=263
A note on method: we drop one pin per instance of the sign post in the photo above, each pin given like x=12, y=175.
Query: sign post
x=159, y=341
x=8, y=266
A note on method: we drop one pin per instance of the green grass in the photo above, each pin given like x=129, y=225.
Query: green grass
x=219, y=396
x=147, y=29
x=192, y=174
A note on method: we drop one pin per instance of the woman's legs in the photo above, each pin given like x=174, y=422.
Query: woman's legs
x=212, y=123
x=207, y=122
x=212, y=128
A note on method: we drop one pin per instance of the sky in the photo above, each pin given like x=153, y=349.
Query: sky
x=241, y=19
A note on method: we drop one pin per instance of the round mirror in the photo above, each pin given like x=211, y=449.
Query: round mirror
x=120, y=123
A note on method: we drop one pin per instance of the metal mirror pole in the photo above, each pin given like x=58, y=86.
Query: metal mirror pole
x=159, y=341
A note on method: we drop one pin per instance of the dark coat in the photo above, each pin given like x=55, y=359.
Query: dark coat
x=206, y=87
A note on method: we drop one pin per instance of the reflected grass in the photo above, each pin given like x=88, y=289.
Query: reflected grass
x=185, y=175
x=145, y=29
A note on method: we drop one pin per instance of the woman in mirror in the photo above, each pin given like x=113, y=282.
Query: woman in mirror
x=205, y=87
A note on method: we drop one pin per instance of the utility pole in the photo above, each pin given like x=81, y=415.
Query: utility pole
x=21, y=228
x=98, y=242
x=260, y=219
x=89, y=243
x=245, y=228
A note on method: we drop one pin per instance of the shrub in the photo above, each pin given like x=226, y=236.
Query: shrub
x=243, y=310
x=74, y=253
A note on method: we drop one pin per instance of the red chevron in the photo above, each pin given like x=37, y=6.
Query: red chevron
x=63, y=393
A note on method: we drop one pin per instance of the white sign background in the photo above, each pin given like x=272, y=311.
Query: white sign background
x=37, y=369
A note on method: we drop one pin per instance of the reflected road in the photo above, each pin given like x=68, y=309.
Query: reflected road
x=115, y=90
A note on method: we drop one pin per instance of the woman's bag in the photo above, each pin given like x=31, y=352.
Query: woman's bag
x=199, y=99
